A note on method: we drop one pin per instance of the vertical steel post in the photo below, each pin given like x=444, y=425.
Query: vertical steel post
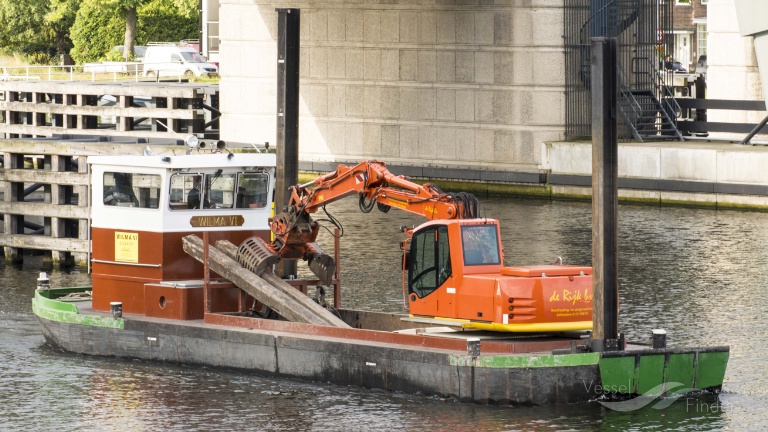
x=605, y=333
x=288, y=25
x=337, y=272
x=206, y=276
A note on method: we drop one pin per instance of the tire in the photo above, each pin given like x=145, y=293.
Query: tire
x=189, y=74
x=151, y=74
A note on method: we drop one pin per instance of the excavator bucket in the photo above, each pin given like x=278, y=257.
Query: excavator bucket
x=320, y=263
x=256, y=255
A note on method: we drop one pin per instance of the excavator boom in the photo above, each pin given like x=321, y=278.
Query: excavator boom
x=376, y=185
x=295, y=231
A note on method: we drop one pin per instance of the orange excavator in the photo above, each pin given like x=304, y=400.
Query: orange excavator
x=453, y=265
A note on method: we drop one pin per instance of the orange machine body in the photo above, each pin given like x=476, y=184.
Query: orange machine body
x=455, y=272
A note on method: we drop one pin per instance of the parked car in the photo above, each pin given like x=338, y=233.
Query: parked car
x=138, y=51
x=171, y=60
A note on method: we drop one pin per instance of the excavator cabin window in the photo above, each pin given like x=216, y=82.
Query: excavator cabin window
x=480, y=244
x=430, y=261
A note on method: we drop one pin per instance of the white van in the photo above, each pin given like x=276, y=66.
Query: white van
x=176, y=61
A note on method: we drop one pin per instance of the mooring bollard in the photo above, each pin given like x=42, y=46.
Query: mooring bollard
x=42, y=282
x=116, y=308
x=473, y=347
x=659, y=338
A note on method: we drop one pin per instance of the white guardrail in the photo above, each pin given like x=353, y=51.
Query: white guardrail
x=96, y=72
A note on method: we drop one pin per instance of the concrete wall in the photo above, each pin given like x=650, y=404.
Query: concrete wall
x=441, y=83
x=732, y=72
x=696, y=173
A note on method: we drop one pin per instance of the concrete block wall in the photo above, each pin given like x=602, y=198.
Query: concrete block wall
x=732, y=65
x=442, y=83
x=692, y=162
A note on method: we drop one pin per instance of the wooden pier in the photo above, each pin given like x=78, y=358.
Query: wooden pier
x=47, y=131
x=45, y=203
x=130, y=109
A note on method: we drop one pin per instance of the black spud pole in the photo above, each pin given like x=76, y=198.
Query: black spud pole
x=288, y=25
x=605, y=320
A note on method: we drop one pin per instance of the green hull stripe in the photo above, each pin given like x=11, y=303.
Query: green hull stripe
x=526, y=360
x=68, y=313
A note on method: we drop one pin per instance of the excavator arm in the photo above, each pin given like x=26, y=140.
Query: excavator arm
x=376, y=185
x=295, y=231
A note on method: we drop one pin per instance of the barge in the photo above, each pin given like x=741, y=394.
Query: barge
x=171, y=284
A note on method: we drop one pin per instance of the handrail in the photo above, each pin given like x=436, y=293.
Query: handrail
x=665, y=92
x=627, y=95
x=94, y=72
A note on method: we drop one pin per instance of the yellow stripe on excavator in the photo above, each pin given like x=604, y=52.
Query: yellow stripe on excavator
x=512, y=328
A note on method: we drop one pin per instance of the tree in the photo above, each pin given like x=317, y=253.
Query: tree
x=128, y=9
x=24, y=28
x=60, y=17
x=98, y=28
x=168, y=21
x=94, y=32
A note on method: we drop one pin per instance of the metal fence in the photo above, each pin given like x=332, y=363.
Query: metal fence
x=96, y=72
x=643, y=30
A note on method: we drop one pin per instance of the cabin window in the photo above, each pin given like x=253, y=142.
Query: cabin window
x=187, y=192
x=430, y=261
x=480, y=244
x=220, y=189
x=217, y=191
x=131, y=190
x=252, y=190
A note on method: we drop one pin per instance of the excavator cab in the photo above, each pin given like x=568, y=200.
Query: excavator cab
x=454, y=274
x=441, y=253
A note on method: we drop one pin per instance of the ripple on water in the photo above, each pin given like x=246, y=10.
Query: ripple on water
x=700, y=274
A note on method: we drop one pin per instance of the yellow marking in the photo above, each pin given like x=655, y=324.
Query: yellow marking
x=518, y=328
x=398, y=204
x=530, y=328
x=126, y=247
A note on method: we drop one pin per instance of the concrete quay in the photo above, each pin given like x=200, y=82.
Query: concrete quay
x=700, y=173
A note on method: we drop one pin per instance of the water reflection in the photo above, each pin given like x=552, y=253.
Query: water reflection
x=700, y=274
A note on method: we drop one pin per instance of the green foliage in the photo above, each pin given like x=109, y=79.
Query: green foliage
x=95, y=32
x=100, y=25
x=24, y=29
x=40, y=58
x=60, y=17
x=164, y=21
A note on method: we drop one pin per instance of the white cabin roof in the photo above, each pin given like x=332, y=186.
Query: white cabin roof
x=203, y=161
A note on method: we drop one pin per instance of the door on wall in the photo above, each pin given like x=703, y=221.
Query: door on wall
x=683, y=49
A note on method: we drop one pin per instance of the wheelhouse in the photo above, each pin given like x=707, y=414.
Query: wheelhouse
x=142, y=206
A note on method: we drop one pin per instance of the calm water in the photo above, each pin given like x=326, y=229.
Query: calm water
x=700, y=274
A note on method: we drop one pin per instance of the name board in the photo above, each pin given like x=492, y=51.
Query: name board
x=216, y=221
x=126, y=247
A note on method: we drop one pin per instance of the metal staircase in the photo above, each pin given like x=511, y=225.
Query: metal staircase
x=647, y=107
x=646, y=116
